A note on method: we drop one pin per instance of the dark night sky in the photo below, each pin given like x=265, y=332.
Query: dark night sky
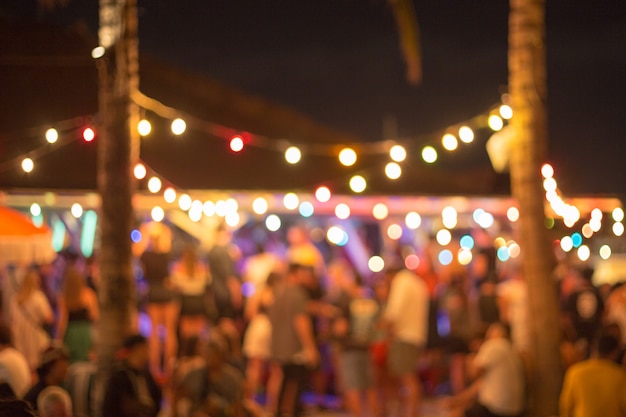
x=339, y=62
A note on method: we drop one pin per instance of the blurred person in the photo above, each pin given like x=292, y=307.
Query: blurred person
x=379, y=346
x=190, y=278
x=132, y=391
x=302, y=251
x=189, y=359
x=353, y=330
x=406, y=315
x=615, y=309
x=16, y=408
x=80, y=385
x=52, y=371
x=226, y=287
x=14, y=369
x=54, y=402
x=293, y=342
x=513, y=307
x=30, y=313
x=258, y=338
x=498, y=387
x=78, y=312
x=162, y=305
x=6, y=392
x=257, y=267
x=217, y=388
x=584, y=307
x=486, y=277
x=595, y=387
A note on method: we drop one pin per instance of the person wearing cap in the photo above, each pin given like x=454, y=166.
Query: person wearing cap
x=131, y=390
x=14, y=368
x=52, y=371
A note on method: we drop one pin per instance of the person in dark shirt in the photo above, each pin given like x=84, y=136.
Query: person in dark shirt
x=585, y=307
x=131, y=390
x=16, y=408
x=51, y=371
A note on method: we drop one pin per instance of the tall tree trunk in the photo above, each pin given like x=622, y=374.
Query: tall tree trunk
x=117, y=151
x=527, y=84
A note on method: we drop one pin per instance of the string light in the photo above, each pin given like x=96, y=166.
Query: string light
x=35, y=210
x=429, y=154
x=380, y=211
x=547, y=171
x=28, y=165
x=397, y=153
x=413, y=220
x=140, y=171
x=169, y=195
x=495, y=122
x=144, y=127
x=236, y=143
x=506, y=112
x=76, y=210
x=184, y=202
x=291, y=201
x=293, y=155
x=208, y=208
x=89, y=134
x=259, y=205
x=347, y=157
x=272, y=223
x=322, y=194
x=52, y=135
x=342, y=211
x=618, y=214
x=178, y=126
x=358, y=184
x=466, y=134
x=393, y=171
x=449, y=142
x=157, y=213
x=154, y=185
x=394, y=231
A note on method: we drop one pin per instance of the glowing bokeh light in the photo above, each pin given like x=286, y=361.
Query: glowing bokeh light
x=449, y=142
x=376, y=264
x=337, y=236
x=394, y=231
x=306, y=209
x=514, y=250
x=444, y=237
x=495, y=122
x=322, y=194
x=549, y=184
x=144, y=127
x=89, y=134
x=232, y=219
x=445, y=257
x=260, y=205
x=154, y=185
x=467, y=242
x=486, y=220
x=178, y=126
x=503, y=254
x=595, y=224
x=506, y=112
x=35, y=209
x=273, y=223
x=195, y=212
x=169, y=195
x=52, y=135
x=605, y=252
x=583, y=253
x=184, y=202
x=429, y=154
x=347, y=157
x=76, y=210
x=587, y=231
x=140, y=171
x=291, y=201
x=393, y=171
x=136, y=236
x=476, y=214
x=412, y=261
x=577, y=239
x=98, y=52
x=413, y=220
x=512, y=214
x=466, y=134
x=567, y=244
x=28, y=165
x=293, y=155
x=342, y=211
x=157, y=213
x=397, y=153
x=547, y=171
x=358, y=184
x=618, y=228
x=208, y=208
x=596, y=213
x=618, y=214
x=380, y=211
x=220, y=208
x=236, y=144
x=464, y=256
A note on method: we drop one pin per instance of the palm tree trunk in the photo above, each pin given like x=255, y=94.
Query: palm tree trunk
x=527, y=84
x=117, y=151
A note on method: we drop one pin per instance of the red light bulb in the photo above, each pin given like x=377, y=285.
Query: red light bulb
x=89, y=134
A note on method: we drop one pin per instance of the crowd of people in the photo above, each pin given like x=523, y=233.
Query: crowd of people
x=264, y=334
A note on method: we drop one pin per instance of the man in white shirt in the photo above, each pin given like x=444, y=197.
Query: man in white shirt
x=14, y=369
x=406, y=314
x=498, y=390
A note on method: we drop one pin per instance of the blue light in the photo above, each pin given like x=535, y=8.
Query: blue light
x=344, y=240
x=577, y=239
x=467, y=242
x=58, y=235
x=503, y=253
x=135, y=236
x=88, y=236
x=306, y=209
x=445, y=257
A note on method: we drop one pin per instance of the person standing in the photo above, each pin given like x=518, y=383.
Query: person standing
x=406, y=315
x=190, y=278
x=13, y=366
x=585, y=307
x=131, y=390
x=293, y=342
x=595, y=387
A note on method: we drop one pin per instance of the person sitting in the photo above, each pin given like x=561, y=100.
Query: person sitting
x=54, y=402
x=52, y=372
x=131, y=390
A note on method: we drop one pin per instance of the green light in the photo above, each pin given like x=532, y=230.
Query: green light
x=88, y=235
x=58, y=235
